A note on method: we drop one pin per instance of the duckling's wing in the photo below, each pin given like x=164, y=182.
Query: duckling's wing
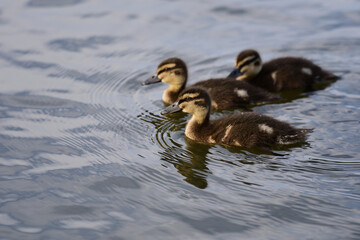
x=250, y=129
x=229, y=93
x=294, y=72
x=241, y=129
x=258, y=95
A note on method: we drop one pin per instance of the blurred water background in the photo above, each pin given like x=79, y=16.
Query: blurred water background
x=85, y=153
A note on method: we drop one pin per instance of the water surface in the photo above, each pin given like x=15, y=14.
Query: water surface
x=85, y=153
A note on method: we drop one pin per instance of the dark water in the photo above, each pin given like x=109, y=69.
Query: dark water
x=85, y=153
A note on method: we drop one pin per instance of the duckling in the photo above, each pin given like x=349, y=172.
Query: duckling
x=225, y=93
x=284, y=73
x=240, y=129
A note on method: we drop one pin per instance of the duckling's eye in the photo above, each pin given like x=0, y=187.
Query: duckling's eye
x=257, y=63
x=166, y=69
x=177, y=73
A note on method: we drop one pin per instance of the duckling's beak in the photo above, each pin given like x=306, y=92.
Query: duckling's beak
x=235, y=73
x=151, y=80
x=173, y=108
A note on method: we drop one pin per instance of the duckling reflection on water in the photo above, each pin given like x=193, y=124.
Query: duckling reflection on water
x=241, y=129
x=279, y=74
x=225, y=93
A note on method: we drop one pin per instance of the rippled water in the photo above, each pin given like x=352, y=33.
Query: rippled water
x=85, y=153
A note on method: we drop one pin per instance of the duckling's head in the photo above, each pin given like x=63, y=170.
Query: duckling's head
x=247, y=65
x=172, y=71
x=195, y=101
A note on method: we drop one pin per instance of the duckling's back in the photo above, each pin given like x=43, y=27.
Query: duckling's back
x=250, y=130
x=290, y=73
x=229, y=93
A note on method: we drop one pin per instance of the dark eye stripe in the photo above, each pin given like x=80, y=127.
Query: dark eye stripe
x=200, y=103
x=248, y=62
x=166, y=69
x=188, y=99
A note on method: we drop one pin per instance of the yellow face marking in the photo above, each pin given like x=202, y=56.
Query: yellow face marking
x=162, y=75
x=191, y=107
x=169, y=65
x=175, y=77
x=200, y=100
x=190, y=95
x=238, y=64
x=199, y=112
x=244, y=69
x=249, y=71
x=171, y=78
